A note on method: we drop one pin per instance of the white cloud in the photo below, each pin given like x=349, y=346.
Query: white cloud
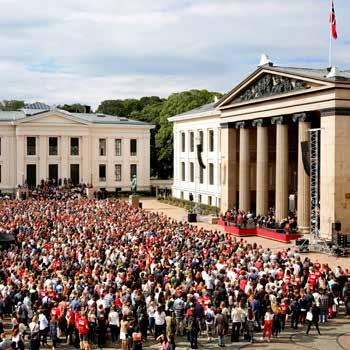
x=88, y=50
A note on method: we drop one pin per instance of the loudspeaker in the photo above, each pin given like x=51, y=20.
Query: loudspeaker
x=192, y=217
x=302, y=241
x=336, y=226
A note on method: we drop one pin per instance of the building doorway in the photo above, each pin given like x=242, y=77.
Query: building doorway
x=31, y=175
x=53, y=174
x=74, y=174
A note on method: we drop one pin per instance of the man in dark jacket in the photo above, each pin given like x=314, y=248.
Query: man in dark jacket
x=192, y=326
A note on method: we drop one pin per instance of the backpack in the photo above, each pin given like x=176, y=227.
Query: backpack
x=209, y=317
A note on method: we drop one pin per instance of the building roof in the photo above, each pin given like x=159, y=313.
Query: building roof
x=203, y=110
x=314, y=73
x=94, y=118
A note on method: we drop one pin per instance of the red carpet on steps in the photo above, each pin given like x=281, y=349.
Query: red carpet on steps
x=261, y=232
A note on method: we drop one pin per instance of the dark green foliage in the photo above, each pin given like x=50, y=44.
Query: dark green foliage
x=75, y=108
x=11, y=105
x=155, y=110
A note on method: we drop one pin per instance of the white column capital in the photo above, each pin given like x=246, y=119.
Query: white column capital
x=278, y=120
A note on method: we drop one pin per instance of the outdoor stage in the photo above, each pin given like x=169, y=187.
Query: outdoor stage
x=261, y=232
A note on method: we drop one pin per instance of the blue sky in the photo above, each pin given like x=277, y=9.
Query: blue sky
x=65, y=51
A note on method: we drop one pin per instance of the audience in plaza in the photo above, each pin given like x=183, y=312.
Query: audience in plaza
x=86, y=270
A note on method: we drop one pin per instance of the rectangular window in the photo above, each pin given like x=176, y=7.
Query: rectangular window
x=201, y=138
x=102, y=145
x=183, y=142
x=102, y=172
x=211, y=140
x=53, y=146
x=211, y=174
x=183, y=177
x=31, y=146
x=133, y=171
x=74, y=146
x=181, y=195
x=118, y=172
x=0, y=173
x=118, y=147
x=133, y=147
x=191, y=172
x=201, y=175
x=210, y=201
x=0, y=145
x=199, y=198
x=191, y=141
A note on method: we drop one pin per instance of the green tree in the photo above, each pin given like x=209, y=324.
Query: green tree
x=75, y=108
x=112, y=107
x=11, y=105
x=176, y=104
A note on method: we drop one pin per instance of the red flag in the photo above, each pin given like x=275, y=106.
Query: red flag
x=333, y=23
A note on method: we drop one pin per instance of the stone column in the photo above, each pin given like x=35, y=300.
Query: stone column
x=303, y=205
x=244, y=167
x=228, y=141
x=21, y=171
x=86, y=162
x=262, y=168
x=281, y=204
x=43, y=163
x=65, y=152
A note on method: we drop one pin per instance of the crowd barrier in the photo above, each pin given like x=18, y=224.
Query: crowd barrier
x=260, y=232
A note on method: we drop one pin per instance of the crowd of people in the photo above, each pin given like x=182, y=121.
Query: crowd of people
x=88, y=270
x=248, y=219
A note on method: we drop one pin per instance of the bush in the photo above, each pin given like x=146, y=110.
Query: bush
x=204, y=209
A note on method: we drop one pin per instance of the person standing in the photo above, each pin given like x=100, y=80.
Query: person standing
x=250, y=325
x=237, y=316
x=44, y=327
x=221, y=325
x=83, y=329
x=114, y=325
x=34, y=329
x=53, y=331
x=192, y=326
x=102, y=330
x=209, y=317
x=267, y=333
x=70, y=320
x=124, y=327
x=159, y=322
x=313, y=317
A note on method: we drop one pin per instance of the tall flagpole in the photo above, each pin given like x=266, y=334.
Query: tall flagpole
x=330, y=36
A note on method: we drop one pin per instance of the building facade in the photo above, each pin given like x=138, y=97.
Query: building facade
x=40, y=143
x=200, y=126
x=264, y=121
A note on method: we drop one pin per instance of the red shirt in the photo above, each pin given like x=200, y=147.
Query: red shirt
x=55, y=311
x=83, y=325
x=70, y=316
x=312, y=279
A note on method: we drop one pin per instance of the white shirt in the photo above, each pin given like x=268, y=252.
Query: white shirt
x=43, y=322
x=113, y=318
x=159, y=318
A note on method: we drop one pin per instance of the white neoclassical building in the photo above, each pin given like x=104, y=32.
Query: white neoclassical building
x=279, y=139
x=198, y=126
x=39, y=142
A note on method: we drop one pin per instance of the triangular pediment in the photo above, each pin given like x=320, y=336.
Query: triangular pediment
x=53, y=118
x=266, y=83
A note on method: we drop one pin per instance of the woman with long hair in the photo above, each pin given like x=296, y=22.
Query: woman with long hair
x=250, y=325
